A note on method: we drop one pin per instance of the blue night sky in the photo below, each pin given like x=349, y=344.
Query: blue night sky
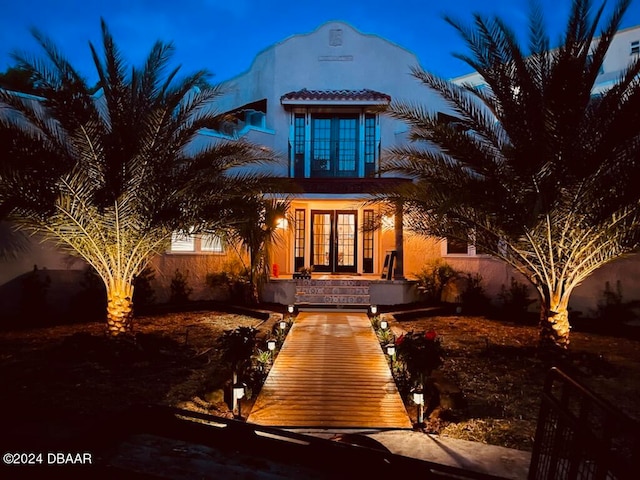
x=223, y=36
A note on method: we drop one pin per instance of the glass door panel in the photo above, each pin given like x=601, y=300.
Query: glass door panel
x=321, y=247
x=334, y=241
x=345, y=241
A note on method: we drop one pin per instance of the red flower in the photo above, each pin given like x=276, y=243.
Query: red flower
x=400, y=339
x=430, y=335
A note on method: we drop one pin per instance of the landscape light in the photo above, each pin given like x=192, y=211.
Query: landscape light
x=239, y=390
x=418, y=399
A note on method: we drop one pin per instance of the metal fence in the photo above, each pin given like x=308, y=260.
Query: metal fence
x=580, y=436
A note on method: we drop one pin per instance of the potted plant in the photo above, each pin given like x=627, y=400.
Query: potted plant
x=304, y=273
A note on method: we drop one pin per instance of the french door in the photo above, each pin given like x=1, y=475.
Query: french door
x=334, y=240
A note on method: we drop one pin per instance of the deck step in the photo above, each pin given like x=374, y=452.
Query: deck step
x=332, y=293
x=333, y=282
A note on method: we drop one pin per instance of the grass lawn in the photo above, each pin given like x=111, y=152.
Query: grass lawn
x=51, y=375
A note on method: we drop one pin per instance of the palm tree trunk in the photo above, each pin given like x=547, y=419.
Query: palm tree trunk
x=554, y=323
x=119, y=308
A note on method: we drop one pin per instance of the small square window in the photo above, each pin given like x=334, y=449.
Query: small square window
x=635, y=47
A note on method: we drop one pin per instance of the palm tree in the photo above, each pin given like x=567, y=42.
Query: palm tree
x=257, y=231
x=121, y=169
x=535, y=168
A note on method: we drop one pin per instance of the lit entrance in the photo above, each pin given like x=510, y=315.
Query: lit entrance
x=334, y=241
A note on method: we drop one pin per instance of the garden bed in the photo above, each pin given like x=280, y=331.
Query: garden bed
x=66, y=374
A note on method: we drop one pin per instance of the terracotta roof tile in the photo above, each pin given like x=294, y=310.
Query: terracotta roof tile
x=365, y=95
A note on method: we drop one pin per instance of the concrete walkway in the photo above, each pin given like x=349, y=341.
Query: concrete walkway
x=330, y=373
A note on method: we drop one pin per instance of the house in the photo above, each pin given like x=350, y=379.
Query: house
x=317, y=99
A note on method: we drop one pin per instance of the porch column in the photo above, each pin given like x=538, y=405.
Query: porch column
x=398, y=273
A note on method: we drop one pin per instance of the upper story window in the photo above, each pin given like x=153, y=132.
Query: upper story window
x=334, y=133
x=370, y=144
x=635, y=47
x=334, y=146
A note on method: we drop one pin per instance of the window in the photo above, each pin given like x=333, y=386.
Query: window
x=590, y=60
x=298, y=145
x=367, y=240
x=456, y=246
x=190, y=243
x=635, y=47
x=299, y=239
x=211, y=243
x=334, y=146
x=182, y=242
x=369, y=144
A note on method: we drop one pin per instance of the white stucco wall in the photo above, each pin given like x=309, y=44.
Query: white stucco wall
x=311, y=61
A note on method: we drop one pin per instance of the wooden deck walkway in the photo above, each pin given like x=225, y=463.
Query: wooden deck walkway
x=330, y=373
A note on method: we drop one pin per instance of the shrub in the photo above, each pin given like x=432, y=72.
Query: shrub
x=236, y=348
x=33, y=302
x=180, y=290
x=234, y=278
x=143, y=293
x=612, y=307
x=515, y=300
x=434, y=278
x=90, y=303
x=473, y=297
x=421, y=353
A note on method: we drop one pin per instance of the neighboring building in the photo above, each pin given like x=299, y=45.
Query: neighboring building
x=316, y=99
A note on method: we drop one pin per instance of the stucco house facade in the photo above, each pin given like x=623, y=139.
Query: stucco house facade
x=317, y=99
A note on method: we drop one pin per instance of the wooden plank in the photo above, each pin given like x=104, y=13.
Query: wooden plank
x=330, y=373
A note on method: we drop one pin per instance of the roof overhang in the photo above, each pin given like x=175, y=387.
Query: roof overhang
x=364, y=97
